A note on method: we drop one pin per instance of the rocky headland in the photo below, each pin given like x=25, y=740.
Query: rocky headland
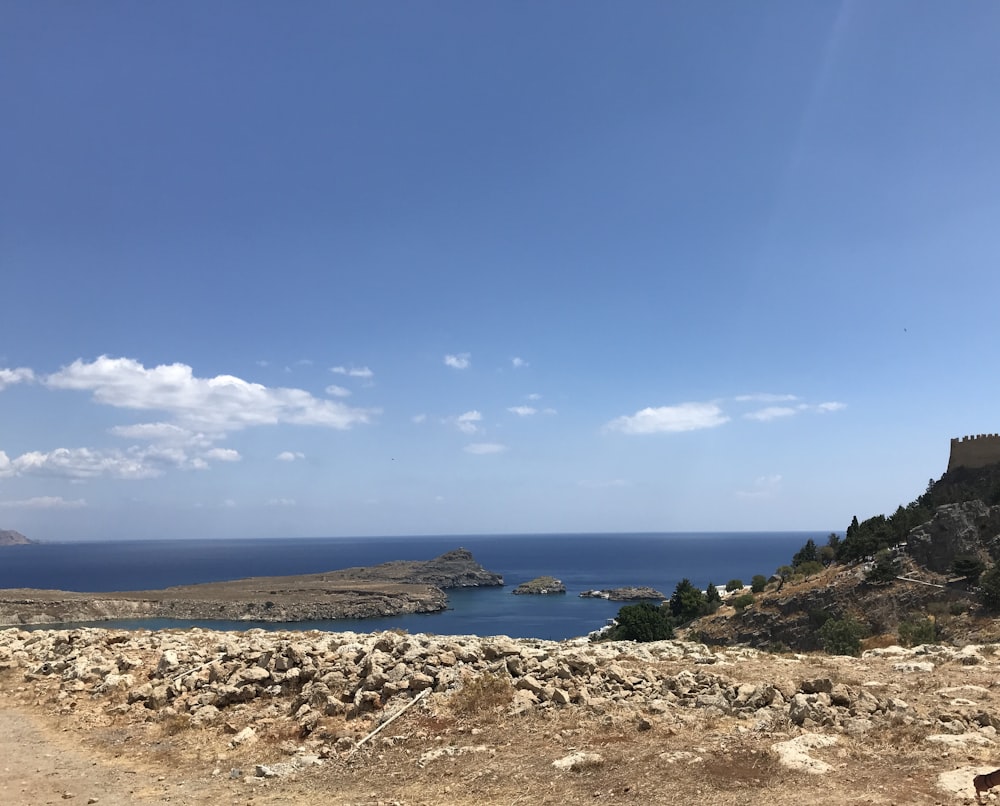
x=8, y=537
x=389, y=589
x=540, y=586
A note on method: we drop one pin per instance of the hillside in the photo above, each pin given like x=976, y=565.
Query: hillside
x=8, y=537
x=915, y=571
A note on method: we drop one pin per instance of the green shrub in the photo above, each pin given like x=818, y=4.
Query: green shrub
x=914, y=633
x=807, y=569
x=742, y=602
x=734, y=585
x=758, y=583
x=642, y=622
x=841, y=636
x=968, y=565
x=885, y=569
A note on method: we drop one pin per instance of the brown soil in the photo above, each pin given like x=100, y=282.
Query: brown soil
x=483, y=754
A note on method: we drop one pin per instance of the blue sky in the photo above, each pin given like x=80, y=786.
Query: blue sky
x=383, y=268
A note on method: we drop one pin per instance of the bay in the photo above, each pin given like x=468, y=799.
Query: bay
x=582, y=561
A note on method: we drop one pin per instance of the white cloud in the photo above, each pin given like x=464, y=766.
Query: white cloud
x=222, y=403
x=549, y=411
x=823, y=408
x=8, y=377
x=419, y=418
x=482, y=448
x=534, y=396
x=280, y=502
x=460, y=361
x=522, y=411
x=466, y=423
x=517, y=363
x=162, y=432
x=44, y=502
x=222, y=455
x=670, y=419
x=289, y=456
x=337, y=391
x=229, y=503
x=771, y=413
x=354, y=372
x=84, y=463
x=765, y=397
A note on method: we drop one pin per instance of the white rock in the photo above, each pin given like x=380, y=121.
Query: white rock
x=795, y=752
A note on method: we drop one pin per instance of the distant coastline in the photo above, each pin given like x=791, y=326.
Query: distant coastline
x=8, y=537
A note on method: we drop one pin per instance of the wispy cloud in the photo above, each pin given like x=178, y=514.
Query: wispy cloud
x=763, y=487
x=290, y=456
x=222, y=455
x=466, y=423
x=280, y=502
x=419, y=418
x=8, y=377
x=459, y=361
x=44, y=502
x=483, y=448
x=522, y=411
x=337, y=391
x=771, y=413
x=223, y=403
x=518, y=363
x=354, y=372
x=766, y=397
x=670, y=419
x=534, y=396
x=833, y=405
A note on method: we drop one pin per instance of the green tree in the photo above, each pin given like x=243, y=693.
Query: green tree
x=742, y=602
x=734, y=585
x=758, y=583
x=968, y=565
x=687, y=602
x=642, y=622
x=885, y=569
x=712, y=598
x=807, y=554
x=841, y=636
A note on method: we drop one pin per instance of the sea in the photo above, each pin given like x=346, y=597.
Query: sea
x=582, y=561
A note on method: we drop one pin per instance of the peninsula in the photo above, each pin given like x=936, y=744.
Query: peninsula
x=389, y=589
x=8, y=537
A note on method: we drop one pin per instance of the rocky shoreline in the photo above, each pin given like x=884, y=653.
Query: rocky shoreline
x=384, y=590
x=628, y=594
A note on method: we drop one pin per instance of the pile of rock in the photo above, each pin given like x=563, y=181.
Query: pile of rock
x=312, y=675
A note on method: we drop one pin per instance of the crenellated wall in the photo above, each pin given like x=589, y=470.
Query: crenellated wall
x=976, y=451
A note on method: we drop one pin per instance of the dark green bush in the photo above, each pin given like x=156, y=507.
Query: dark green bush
x=734, y=585
x=742, y=602
x=642, y=622
x=989, y=590
x=842, y=636
x=914, y=633
x=687, y=602
x=758, y=583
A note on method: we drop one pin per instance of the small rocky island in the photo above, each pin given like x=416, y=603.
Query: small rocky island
x=628, y=594
x=8, y=537
x=389, y=589
x=540, y=586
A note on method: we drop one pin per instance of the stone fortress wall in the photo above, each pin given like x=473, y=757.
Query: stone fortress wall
x=976, y=451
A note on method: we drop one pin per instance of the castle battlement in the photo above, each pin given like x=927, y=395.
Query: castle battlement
x=975, y=451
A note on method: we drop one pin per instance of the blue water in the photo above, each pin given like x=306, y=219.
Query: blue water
x=581, y=561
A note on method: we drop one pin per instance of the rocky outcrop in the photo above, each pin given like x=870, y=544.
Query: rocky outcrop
x=628, y=594
x=540, y=586
x=8, y=537
x=956, y=530
x=383, y=590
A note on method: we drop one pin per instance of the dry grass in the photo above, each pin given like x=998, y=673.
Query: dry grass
x=482, y=695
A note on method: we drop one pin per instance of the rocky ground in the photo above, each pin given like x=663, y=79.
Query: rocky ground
x=112, y=717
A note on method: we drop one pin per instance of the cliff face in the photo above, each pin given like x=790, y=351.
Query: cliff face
x=966, y=529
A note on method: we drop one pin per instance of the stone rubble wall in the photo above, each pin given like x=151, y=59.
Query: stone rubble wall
x=312, y=675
